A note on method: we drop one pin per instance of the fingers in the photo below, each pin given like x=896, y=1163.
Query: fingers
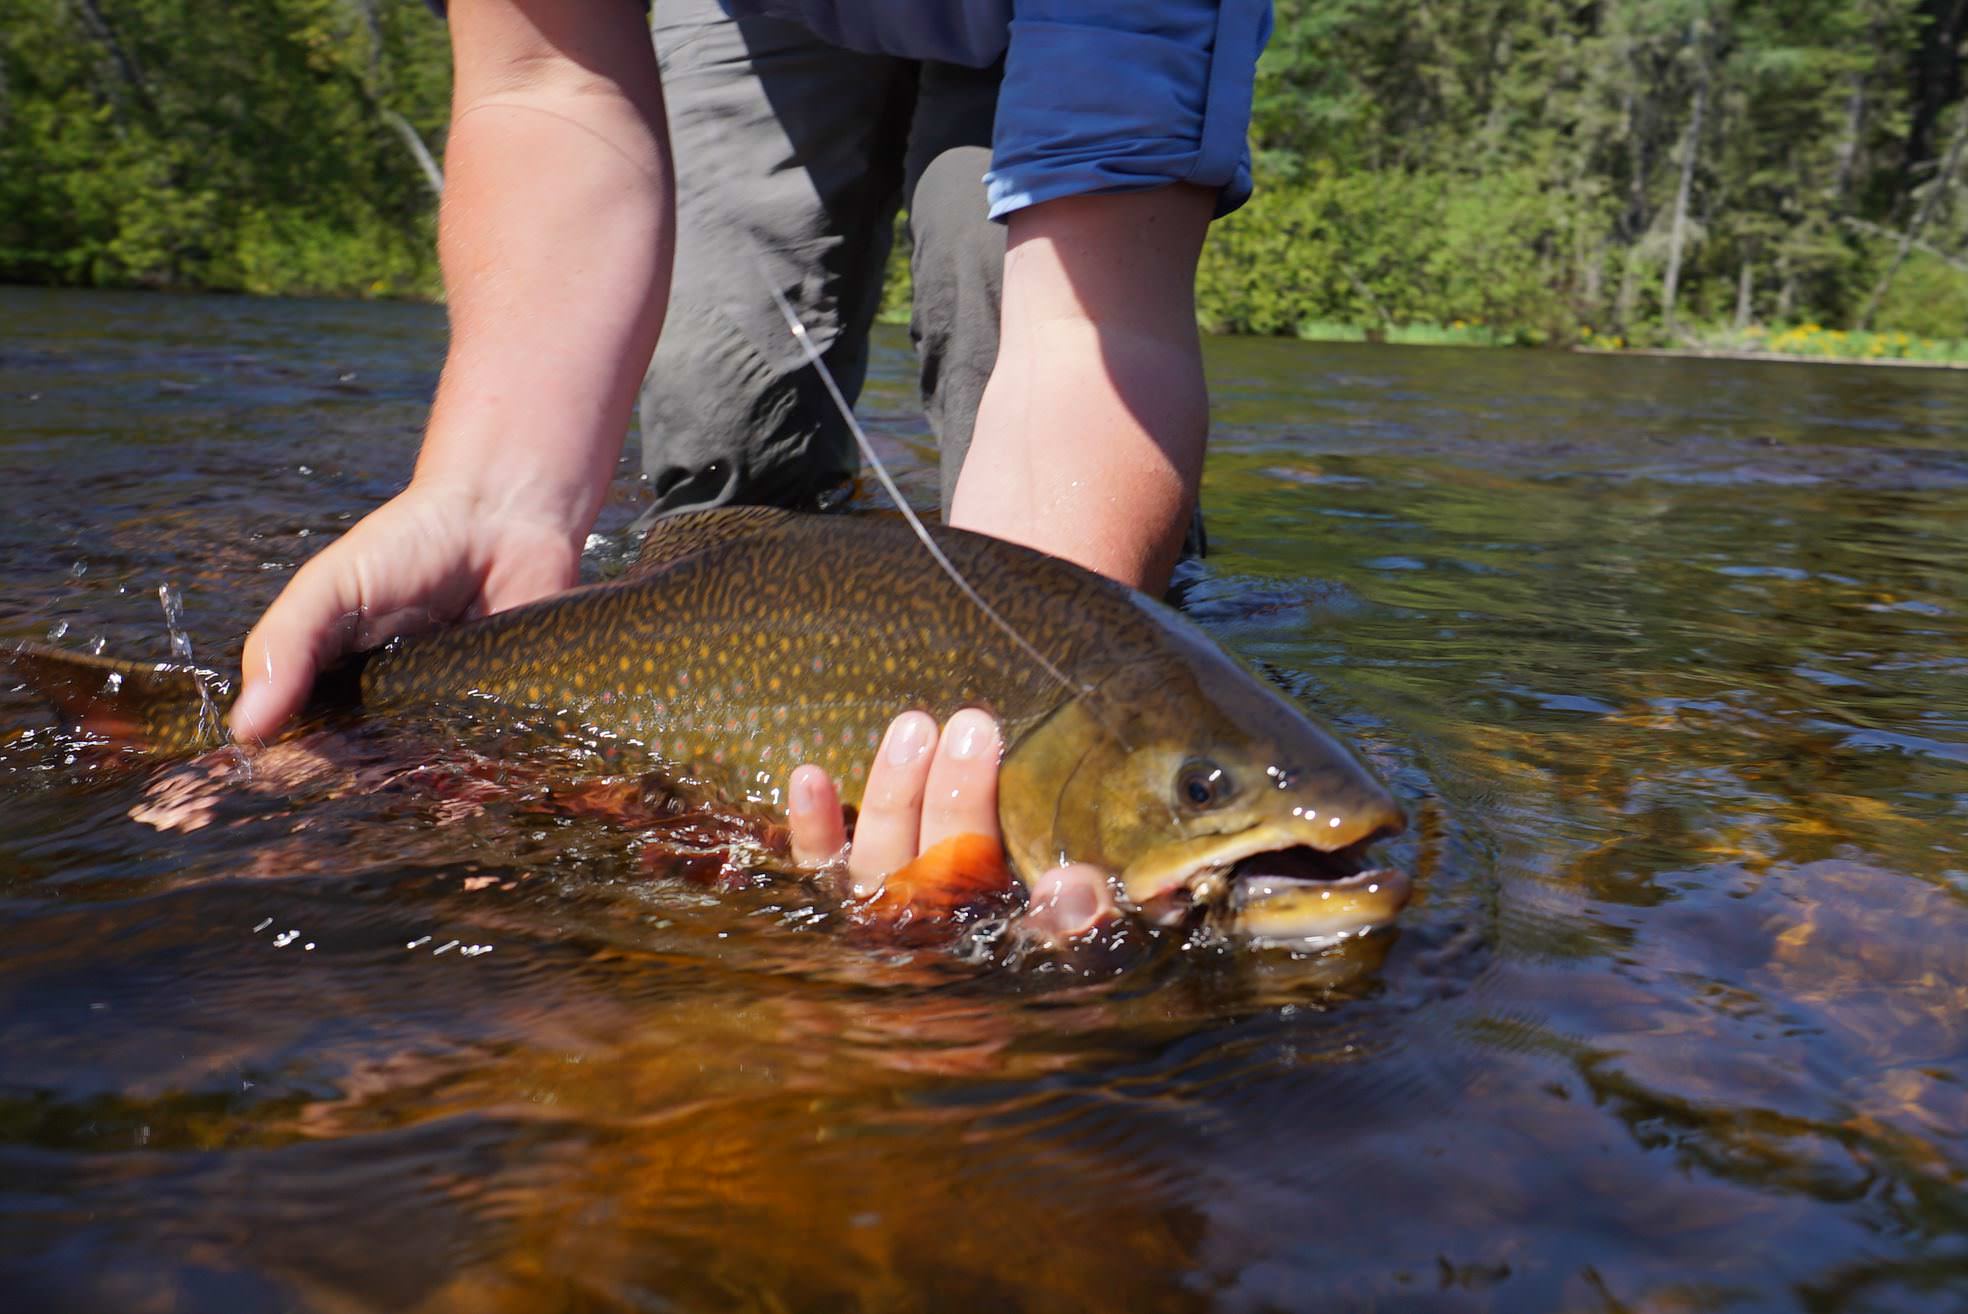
x=887, y=833
x=1068, y=901
x=923, y=788
x=813, y=813
x=961, y=796
x=421, y=559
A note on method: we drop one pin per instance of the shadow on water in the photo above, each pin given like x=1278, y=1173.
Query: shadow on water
x=1666, y=659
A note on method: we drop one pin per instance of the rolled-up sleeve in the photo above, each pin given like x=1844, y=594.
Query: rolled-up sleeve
x=1124, y=95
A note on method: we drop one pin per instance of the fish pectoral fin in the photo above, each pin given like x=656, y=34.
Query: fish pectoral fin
x=678, y=537
x=156, y=704
x=964, y=871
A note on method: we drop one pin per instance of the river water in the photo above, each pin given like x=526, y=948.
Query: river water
x=1668, y=661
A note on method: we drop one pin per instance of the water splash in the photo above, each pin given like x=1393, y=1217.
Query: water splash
x=173, y=604
x=168, y=597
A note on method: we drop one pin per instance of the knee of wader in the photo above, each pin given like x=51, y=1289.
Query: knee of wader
x=958, y=253
x=721, y=424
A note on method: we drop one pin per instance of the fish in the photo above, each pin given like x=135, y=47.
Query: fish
x=745, y=641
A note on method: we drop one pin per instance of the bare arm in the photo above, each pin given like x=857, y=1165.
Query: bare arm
x=1089, y=441
x=556, y=240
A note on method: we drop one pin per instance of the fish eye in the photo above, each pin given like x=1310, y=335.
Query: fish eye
x=1203, y=784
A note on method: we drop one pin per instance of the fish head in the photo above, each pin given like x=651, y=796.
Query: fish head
x=1205, y=792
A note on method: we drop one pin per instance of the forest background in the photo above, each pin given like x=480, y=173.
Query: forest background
x=1783, y=173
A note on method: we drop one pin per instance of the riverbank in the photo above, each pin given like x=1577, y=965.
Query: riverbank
x=1772, y=357
x=1807, y=341
x=1810, y=344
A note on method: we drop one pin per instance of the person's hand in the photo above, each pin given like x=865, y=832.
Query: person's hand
x=925, y=789
x=428, y=557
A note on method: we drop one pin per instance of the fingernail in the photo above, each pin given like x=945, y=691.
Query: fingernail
x=908, y=738
x=806, y=788
x=967, y=735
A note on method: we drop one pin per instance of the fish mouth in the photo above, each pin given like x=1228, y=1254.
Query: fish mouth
x=1302, y=896
x=1286, y=894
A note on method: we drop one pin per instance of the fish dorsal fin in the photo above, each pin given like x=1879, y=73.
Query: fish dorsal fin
x=674, y=538
x=156, y=704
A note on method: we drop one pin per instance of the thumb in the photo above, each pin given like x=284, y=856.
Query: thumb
x=309, y=626
x=1069, y=901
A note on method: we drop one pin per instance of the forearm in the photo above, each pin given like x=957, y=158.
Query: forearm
x=556, y=239
x=1089, y=446
x=1089, y=439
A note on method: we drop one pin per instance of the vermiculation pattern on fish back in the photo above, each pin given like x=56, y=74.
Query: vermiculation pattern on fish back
x=798, y=643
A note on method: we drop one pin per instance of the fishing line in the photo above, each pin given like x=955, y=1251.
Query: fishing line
x=901, y=503
x=1091, y=693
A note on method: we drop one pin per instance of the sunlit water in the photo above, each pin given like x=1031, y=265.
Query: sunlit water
x=1667, y=660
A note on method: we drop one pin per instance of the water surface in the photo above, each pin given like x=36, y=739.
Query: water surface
x=1667, y=660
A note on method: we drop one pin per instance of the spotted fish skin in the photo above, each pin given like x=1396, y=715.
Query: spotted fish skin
x=746, y=642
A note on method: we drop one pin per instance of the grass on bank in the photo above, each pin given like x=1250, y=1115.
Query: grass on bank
x=1457, y=333
x=1816, y=341
x=1809, y=341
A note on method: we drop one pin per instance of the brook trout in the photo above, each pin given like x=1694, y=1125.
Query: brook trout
x=746, y=641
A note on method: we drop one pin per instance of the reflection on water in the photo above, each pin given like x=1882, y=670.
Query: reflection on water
x=1666, y=658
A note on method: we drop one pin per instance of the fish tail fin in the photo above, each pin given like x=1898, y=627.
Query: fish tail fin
x=160, y=705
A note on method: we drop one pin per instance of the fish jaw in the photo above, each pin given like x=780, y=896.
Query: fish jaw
x=1285, y=910
x=1268, y=885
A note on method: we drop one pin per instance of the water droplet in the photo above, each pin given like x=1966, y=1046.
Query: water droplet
x=285, y=938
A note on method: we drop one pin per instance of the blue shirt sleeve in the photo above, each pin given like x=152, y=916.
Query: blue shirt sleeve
x=1124, y=95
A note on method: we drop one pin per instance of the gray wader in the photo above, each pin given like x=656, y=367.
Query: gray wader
x=792, y=158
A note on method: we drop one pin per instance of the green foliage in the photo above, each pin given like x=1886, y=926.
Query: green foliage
x=1493, y=170
x=174, y=144
x=1929, y=299
x=1533, y=165
x=1387, y=250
